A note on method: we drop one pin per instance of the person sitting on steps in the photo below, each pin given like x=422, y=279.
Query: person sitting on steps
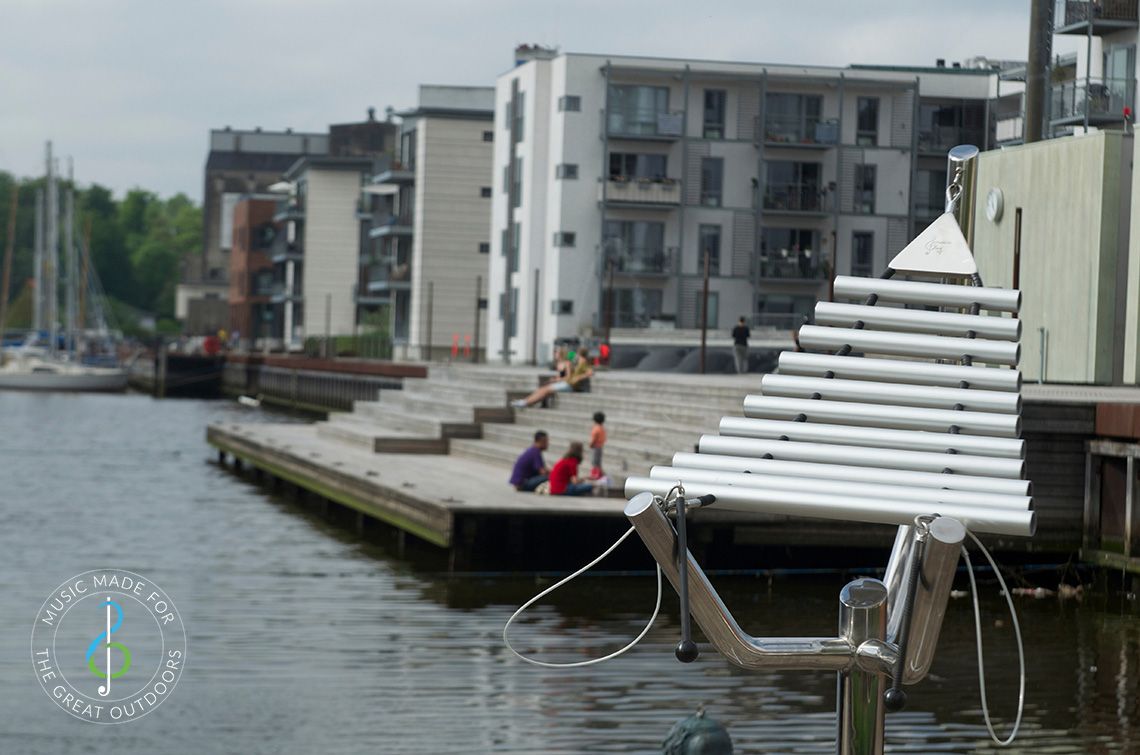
x=580, y=371
x=530, y=469
x=564, y=478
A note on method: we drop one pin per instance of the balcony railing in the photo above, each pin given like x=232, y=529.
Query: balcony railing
x=941, y=138
x=285, y=251
x=1009, y=128
x=797, y=198
x=642, y=318
x=1103, y=99
x=1070, y=12
x=660, y=191
x=280, y=292
x=797, y=132
x=389, y=274
x=777, y=320
x=385, y=225
x=289, y=209
x=644, y=261
x=389, y=170
x=646, y=124
x=787, y=264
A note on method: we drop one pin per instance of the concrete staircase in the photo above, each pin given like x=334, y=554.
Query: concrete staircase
x=463, y=410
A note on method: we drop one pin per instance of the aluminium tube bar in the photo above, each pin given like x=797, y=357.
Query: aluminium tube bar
x=927, y=294
x=715, y=462
x=993, y=520
x=890, y=417
x=847, y=435
x=909, y=344
x=896, y=371
x=917, y=321
x=902, y=394
x=918, y=461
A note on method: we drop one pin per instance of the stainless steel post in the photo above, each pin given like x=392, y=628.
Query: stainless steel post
x=862, y=617
x=962, y=172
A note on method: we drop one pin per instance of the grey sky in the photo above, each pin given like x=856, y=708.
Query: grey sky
x=131, y=87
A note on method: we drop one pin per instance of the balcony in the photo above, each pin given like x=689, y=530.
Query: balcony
x=1009, y=128
x=792, y=265
x=392, y=171
x=285, y=251
x=800, y=134
x=1104, y=101
x=388, y=274
x=368, y=298
x=280, y=293
x=664, y=193
x=290, y=209
x=644, y=261
x=392, y=225
x=797, y=199
x=1106, y=16
x=939, y=139
x=649, y=125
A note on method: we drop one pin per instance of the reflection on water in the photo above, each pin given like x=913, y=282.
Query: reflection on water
x=304, y=639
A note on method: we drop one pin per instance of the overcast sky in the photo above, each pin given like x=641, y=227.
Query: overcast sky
x=130, y=88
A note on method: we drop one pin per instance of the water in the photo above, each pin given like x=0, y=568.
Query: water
x=305, y=639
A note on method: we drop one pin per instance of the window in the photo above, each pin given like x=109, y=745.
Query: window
x=516, y=183
x=566, y=170
x=635, y=307
x=514, y=311
x=507, y=179
x=564, y=238
x=626, y=165
x=793, y=186
x=784, y=311
x=865, y=189
x=484, y=247
x=713, y=310
x=862, y=253
x=791, y=254
x=708, y=241
x=408, y=149
x=485, y=191
x=570, y=103
x=636, y=246
x=488, y=136
x=867, y=122
x=712, y=180
x=639, y=110
x=714, y=113
x=562, y=307
x=793, y=118
x=482, y=303
x=510, y=247
x=516, y=110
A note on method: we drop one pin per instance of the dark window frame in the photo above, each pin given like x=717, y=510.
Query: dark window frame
x=705, y=232
x=712, y=196
x=714, y=128
x=863, y=241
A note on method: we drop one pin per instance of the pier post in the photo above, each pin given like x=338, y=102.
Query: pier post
x=862, y=617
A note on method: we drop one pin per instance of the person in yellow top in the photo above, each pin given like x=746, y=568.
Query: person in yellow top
x=580, y=371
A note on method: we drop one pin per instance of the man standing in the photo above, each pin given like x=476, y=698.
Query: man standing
x=530, y=469
x=740, y=336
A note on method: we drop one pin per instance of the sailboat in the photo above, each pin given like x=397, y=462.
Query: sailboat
x=35, y=365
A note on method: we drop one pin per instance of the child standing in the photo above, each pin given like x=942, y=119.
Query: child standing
x=597, y=441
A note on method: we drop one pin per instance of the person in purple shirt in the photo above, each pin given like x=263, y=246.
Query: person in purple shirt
x=530, y=470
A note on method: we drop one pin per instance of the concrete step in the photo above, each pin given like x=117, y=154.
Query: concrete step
x=621, y=457
x=644, y=409
x=396, y=415
x=378, y=438
x=477, y=395
x=620, y=428
x=450, y=410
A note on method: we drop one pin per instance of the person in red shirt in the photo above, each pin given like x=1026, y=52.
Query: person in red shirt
x=564, y=478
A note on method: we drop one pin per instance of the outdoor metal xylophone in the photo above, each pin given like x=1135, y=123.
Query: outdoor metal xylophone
x=911, y=418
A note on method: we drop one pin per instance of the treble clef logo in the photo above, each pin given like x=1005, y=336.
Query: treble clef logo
x=104, y=641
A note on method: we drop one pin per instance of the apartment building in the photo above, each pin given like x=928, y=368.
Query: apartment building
x=620, y=180
x=424, y=266
x=239, y=162
x=323, y=231
x=251, y=271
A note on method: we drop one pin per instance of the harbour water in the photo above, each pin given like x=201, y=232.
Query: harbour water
x=304, y=638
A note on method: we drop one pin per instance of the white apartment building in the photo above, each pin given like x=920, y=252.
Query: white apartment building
x=318, y=249
x=617, y=177
x=425, y=263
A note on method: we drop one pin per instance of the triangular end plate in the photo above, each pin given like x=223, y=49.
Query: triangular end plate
x=941, y=250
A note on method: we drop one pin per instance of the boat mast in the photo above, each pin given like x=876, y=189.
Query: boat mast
x=38, y=294
x=69, y=245
x=8, y=251
x=52, y=255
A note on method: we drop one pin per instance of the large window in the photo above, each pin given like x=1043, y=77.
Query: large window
x=794, y=186
x=636, y=246
x=790, y=254
x=634, y=109
x=867, y=122
x=635, y=307
x=929, y=192
x=784, y=311
x=517, y=183
x=712, y=181
x=624, y=165
x=862, y=253
x=792, y=117
x=708, y=243
x=518, y=110
x=408, y=149
x=865, y=189
x=714, y=113
x=942, y=125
